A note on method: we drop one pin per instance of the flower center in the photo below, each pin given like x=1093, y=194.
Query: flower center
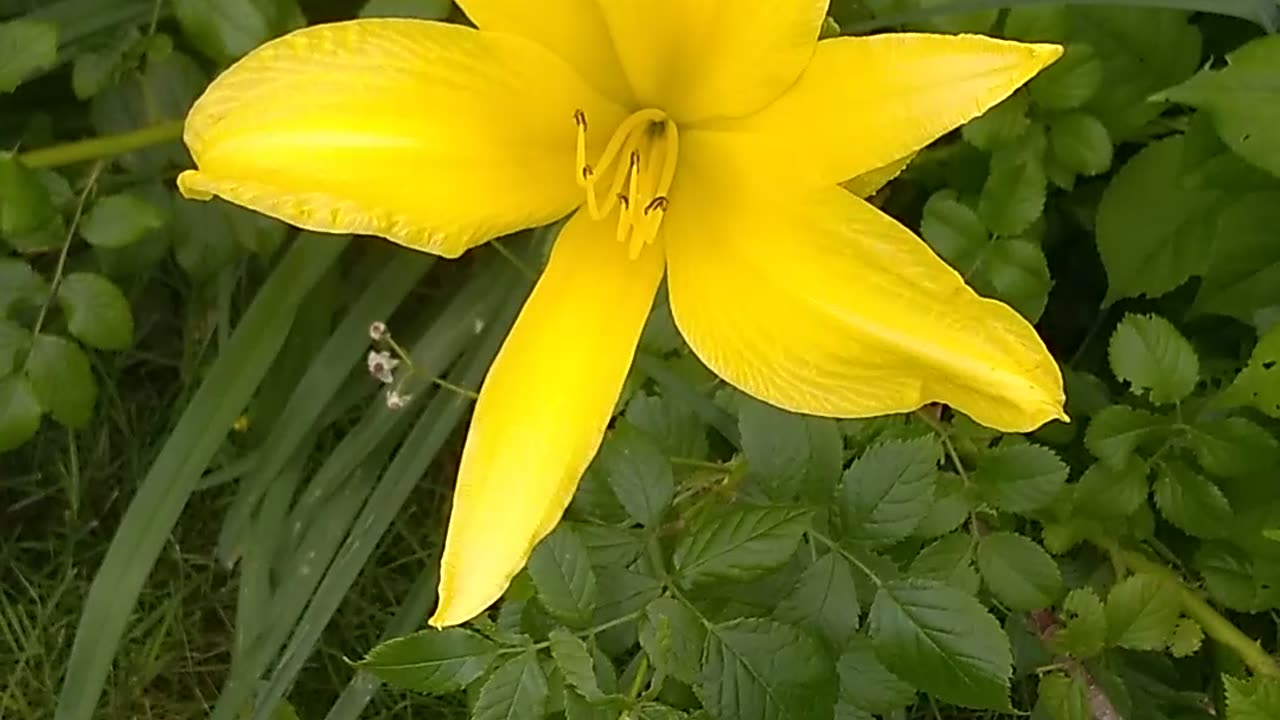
x=650, y=144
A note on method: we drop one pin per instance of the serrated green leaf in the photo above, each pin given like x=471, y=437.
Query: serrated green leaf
x=942, y=641
x=1255, y=699
x=1150, y=354
x=1019, y=572
x=98, y=314
x=63, y=382
x=1084, y=625
x=562, y=575
x=1115, y=433
x=1230, y=577
x=517, y=690
x=1061, y=698
x=788, y=453
x=25, y=205
x=952, y=504
x=639, y=474
x=673, y=637
x=1080, y=143
x=1109, y=492
x=1153, y=231
x=824, y=601
x=953, y=229
x=866, y=685
x=120, y=220
x=1020, y=478
x=19, y=412
x=1191, y=501
x=1243, y=274
x=738, y=543
x=1001, y=125
x=676, y=429
x=764, y=670
x=950, y=560
x=609, y=546
x=431, y=661
x=1071, y=81
x=574, y=660
x=1014, y=270
x=26, y=48
x=1013, y=196
x=1243, y=99
x=887, y=491
x=1234, y=447
x=1142, y=611
x=1187, y=638
x=1258, y=384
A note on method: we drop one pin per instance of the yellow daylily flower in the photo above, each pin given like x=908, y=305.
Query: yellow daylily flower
x=700, y=140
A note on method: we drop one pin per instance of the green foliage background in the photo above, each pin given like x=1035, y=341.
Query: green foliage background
x=207, y=508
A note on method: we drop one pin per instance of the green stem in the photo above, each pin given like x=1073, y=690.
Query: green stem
x=102, y=147
x=1215, y=625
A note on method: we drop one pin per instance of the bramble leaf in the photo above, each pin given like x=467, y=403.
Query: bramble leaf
x=1019, y=572
x=1150, y=354
x=1020, y=478
x=562, y=576
x=764, y=670
x=517, y=690
x=887, y=492
x=738, y=543
x=431, y=661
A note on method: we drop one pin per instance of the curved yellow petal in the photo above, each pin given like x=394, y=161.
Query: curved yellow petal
x=573, y=29
x=700, y=59
x=543, y=410
x=824, y=305
x=864, y=102
x=870, y=183
x=436, y=136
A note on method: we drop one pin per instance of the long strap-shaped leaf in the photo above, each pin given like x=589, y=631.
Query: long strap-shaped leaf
x=163, y=493
x=1265, y=13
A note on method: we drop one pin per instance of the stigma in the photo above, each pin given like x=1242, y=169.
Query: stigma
x=635, y=172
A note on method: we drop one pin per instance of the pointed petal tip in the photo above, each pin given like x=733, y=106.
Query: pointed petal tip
x=193, y=185
x=459, y=605
x=1046, y=53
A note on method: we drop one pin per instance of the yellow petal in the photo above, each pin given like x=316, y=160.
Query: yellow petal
x=573, y=29
x=864, y=102
x=822, y=304
x=436, y=136
x=699, y=59
x=543, y=410
x=870, y=183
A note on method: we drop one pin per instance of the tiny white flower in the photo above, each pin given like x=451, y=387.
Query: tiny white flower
x=396, y=401
x=377, y=331
x=381, y=365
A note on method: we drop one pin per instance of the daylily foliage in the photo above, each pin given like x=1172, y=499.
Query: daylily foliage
x=698, y=140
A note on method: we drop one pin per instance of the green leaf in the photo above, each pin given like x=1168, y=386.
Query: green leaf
x=1234, y=447
x=228, y=29
x=1243, y=274
x=950, y=560
x=1061, y=698
x=120, y=220
x=517, y=690
x=1019, y=572
x=673, y=638
x=25, y=205
x=1186, y=639
x=26, y=48
x=1071, y=81
x=425, y=9
x=207, y=236
x=1150, y=354
x=574, y=660
x=738, y=543
x=887, y=492
x=824, y=601
x=1015, y=271
x=19, y=412
x=1013, y=196
x=1080, y=143
x=639, y=473
x=13, y=342
x=1191, y=501
x=1255, y=699
x=19, y=284
x=786, y=453
x=98, y=314
x=562, y=576
x=1037, y=23
x=952, y=504
x=431, y=661
x=1112, y=493
x=62, y=379
x=1243, y=99
x=1230, y=577
x=764, y=670
x=1142, y=611
x=1153, y=231
x=1084, y=625
x=1001, y=125
x=1020, y=478
x=953, y=230
x=1258, y=385
x=676, y=429
x=1115, y=433
x=942, y=641
x=866, y=685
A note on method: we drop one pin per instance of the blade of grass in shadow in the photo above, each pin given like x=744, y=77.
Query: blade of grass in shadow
x=680, y=389
x=176, y=471
x=1264, y=13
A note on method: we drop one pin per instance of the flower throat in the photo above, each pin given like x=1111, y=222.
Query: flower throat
x=650, y=144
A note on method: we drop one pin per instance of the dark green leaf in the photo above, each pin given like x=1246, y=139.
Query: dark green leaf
x=1150, y=354
x=738, y=543
x=950, y=560
x=639, y=474
x=13, y=344
x=1142, y=611
x=609, y=546
x=1255, y=699
x=98, y=314
x=942, y=641
x=1243, y=274
x=1191, y=501
x=1258, y=385
x=953, y=230
x=1062, y=698
x=1020, y=478
x=866, y=685
x=431, y=661
x=676, y=429
x=887, y=492
x=1019, y=572
x=208, y=235
x=19, y=412
x=783, y=450
x=26, y=48
x=425, y=9
x=1013, y=196
x=1015, y=271
x=1234, y=447
x=19, y=284
x=1111, y=493
x=574, y=660
x=673, y=638
x=1001, y=125
x=1079, y=141
x=517, y=690
x=62, y=379
x=228, y=29
x=824, y=601
x=764, y=670
x=951, y=506
x=1071, y=81
x=1114, y=434
x=1084, y=625
x=562, y=575
x=120, y=220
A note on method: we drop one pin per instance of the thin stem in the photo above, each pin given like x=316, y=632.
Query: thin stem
x=847, y=556
x=102, y=147
x=624, y=619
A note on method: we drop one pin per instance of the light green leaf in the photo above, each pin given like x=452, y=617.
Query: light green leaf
x=953, y=230
x=26, y=48
x=13, y=342
x=1258, y=385
x=1243, y=274
x=1150, y=354
x=62, y=379
x=431, y=661
x=1244, y=100
x=1234, y=447
x=1191, y=501
x=1153, y=231
x=517, y=690
x=887, y=492
x=98, y=314
x=1061, y=698
x=1019, y=572
x=1080, y=143
x=1187, y=638
x=120, y=220
x=1230, y=577
x=866, y=685
x=824, y=601
x=1142, y=611
x=425, y=9
x=1013, y=196
x=574, y=660
x=1115, y=433
x=764, y=670
x=673, y=638
x=228, y=29
x=1084, y=625
x=738, y=543
x=656, y=711
x=1001, y=125
x=1071, y=81
x=1020, y=478
x=942, y=641
x=25, y=205
x=19, y=412
x=19, y=284
x=563, y=578
x=1014, y=270
x=1112, y=493
x=950, y=560
x=638, y=472
x=1255, y=699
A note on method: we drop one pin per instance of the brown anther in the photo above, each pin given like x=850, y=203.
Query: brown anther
x=659, y=203
x=580, y=118
x=624, y=201
x=635, y=159
x=587, y=172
